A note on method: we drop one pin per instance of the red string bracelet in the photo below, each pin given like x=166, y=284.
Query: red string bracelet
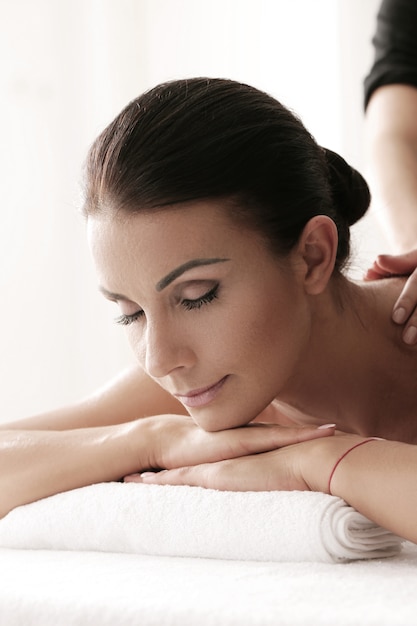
x=361, y=443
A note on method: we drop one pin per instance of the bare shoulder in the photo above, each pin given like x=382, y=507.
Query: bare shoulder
x=129, y=396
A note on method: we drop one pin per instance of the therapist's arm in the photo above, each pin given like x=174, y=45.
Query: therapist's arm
x=391, y=155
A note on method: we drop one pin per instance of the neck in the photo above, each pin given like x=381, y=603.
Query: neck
x=356, y=371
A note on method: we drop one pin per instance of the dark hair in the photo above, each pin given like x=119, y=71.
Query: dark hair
x=206, y=138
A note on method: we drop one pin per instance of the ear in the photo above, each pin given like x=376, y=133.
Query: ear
x=317, y=249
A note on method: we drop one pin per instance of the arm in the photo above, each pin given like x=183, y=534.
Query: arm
x=98, y=439
x=391, y=153
x=378, y=479
x=129, y=396
x=38, y=463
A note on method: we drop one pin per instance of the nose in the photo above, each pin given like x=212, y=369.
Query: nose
x=165, y=349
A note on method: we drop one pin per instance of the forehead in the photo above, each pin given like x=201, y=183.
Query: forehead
x=157, y=241
x=173, y=231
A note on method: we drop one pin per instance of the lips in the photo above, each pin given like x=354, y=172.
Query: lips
x=201, y=397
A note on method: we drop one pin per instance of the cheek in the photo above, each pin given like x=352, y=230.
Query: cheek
x=273, y=332
x=239, y=335
x=136, y=340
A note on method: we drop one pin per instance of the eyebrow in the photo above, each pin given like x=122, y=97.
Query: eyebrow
x=178, y=271
x=167, y=280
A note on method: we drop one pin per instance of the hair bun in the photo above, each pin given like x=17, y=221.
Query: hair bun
x=349, y=189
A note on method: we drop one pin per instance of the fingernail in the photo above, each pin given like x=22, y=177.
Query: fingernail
x=323, y=426
x=399, y=315
x=410, y=335
x=147, y=474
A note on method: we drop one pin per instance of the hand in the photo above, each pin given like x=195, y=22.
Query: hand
x=279, y=469
x=269, y=471
x=175, y=441
x=404, y=311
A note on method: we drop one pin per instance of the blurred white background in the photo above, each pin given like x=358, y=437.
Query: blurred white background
x=66, y=69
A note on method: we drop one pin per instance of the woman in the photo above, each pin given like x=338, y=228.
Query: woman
x=220, y=229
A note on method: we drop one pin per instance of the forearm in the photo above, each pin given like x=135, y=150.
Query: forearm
x=378, y=479
x=37, y=464
x=391, y=154
x=393, y=180
x=129, y=396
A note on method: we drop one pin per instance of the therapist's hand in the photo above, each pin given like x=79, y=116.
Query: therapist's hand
x=405, y=308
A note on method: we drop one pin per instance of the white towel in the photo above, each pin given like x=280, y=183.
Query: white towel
x=197, y=522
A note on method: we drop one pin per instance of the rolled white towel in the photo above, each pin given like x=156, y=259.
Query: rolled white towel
x=197, y=522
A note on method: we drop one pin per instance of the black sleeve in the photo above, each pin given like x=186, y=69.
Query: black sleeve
x=395, y=46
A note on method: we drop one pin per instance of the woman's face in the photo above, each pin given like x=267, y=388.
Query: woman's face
x=212, y=316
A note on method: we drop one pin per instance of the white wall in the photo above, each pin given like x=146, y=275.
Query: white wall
x=66, y=68
x=356, y=26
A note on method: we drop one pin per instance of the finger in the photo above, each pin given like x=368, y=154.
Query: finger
x=231, y=475
x=371, y=275
x=289, y=435
x=410, y=331
x=138, y=477
x=256, y=438
x=376, y=273
x=132, y=478
x=400, y=264
x=262, y=472
x=207, y=475
x=405, y=306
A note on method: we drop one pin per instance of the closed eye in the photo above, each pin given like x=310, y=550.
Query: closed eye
x=189, y=305
x=125, y=320
x=208, y=297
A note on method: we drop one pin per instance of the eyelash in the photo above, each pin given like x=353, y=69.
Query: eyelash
x=125, y=320
x=208, y=297
x=189, y=305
